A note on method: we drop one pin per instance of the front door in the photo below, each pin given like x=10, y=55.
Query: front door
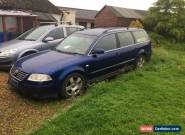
x=104, y=63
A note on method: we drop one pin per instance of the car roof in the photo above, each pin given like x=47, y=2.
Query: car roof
x=93, y=32
x=47, y=26
x=59, y=26
x=100, y=31
x=77, y=26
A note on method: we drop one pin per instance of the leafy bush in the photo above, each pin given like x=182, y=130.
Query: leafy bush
x=136, y=24
x=156, y=39
x=167, y=18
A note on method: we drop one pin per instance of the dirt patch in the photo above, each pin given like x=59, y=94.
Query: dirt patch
x=19, y=114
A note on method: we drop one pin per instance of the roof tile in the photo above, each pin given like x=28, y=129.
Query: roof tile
x=34, y=5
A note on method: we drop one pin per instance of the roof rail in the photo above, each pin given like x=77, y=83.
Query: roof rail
x=107, y=30
x=112, y=28
x=117, y=28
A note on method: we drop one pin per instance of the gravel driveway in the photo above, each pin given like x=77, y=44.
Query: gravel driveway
x=19, y=114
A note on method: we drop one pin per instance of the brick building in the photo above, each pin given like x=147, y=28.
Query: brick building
x=18, y=16
x=110, y=16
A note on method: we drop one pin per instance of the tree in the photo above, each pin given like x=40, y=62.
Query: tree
x=167, y=17
x=136, y=24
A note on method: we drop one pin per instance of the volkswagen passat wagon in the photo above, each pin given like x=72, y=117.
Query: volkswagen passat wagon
x=83, y=57
x=32, y=41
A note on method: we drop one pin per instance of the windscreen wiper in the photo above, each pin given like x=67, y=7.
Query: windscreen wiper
x=29, y=39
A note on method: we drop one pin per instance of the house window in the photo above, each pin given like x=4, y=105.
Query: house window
x=11, y=24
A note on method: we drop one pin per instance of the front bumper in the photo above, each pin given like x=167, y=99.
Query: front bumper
x=6, y=63
x=34, y=90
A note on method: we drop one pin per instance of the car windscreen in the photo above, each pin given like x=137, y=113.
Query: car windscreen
x=34, y=34
x=76, y=44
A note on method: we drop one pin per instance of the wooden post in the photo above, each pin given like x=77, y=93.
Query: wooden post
x=21, y=23
x=35, y=22
x=4, y=28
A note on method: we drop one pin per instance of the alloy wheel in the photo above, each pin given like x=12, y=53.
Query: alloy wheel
x=74, y=85
x=141, y=61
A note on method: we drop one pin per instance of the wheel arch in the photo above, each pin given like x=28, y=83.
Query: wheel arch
x=141, y=52
x=71, y=71
x=27, y=51
x=62, y=92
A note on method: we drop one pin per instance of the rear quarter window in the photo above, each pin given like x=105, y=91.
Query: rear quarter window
x=140, y=36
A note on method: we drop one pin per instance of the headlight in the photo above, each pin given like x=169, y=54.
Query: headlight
x=8, y=52
x=39, y=78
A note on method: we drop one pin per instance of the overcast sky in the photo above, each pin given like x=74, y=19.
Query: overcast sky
x=98, y=4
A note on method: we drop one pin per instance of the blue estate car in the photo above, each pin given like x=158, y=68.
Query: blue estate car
x=83, y=57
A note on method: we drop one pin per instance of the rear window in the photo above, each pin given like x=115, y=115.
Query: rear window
x=71, y=30
x=56, y=33
x=140, y=36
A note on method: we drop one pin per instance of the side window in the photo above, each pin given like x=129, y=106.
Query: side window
x=140, y=36
x=71, y=30
x=107, y=43
x=56, y=33
x=125, y=39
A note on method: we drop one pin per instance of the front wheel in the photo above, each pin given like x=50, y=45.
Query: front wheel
x=72, y=86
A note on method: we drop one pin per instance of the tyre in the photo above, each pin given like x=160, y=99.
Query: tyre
x=73, y=86
x=140, y=61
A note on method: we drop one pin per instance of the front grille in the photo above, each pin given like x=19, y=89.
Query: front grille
x=18, y=74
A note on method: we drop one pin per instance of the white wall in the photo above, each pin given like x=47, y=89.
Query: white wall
x=69, y=17
x=88, y=25
x=57, y=17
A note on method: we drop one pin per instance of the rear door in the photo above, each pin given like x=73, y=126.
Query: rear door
x=127, y=50
x=57, y=34
x=105, y=63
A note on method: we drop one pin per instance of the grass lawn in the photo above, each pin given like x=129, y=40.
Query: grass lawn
x=152, y=95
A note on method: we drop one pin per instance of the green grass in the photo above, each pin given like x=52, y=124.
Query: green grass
x=152, y=95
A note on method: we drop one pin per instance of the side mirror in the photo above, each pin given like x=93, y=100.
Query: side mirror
x=98, y=51
x=48, y=39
